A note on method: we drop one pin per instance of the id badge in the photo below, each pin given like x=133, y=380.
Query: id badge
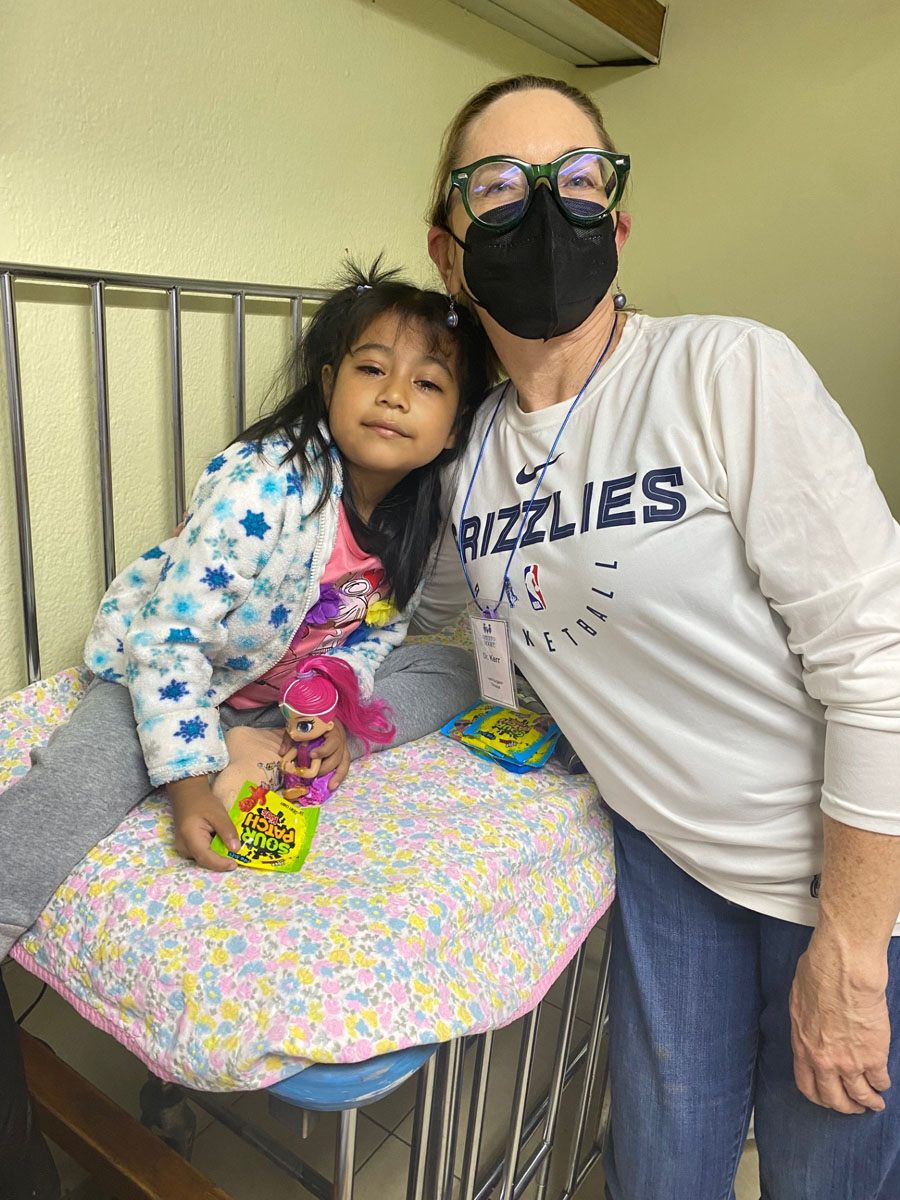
x=493, y=660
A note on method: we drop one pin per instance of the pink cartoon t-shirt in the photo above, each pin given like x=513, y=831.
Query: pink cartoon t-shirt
x=351, y=582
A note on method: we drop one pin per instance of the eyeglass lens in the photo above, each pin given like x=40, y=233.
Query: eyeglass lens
x=498, y=191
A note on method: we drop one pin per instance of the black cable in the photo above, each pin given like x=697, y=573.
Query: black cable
x=33, y=1005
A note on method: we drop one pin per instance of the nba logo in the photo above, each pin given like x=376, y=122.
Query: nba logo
x=532, y=587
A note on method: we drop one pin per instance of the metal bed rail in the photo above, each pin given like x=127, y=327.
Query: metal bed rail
x=100, y=283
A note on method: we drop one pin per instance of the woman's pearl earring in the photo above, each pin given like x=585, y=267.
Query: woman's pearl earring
x=619, y=301
x=452, y=315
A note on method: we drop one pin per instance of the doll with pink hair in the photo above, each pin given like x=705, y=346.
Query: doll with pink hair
x=325, y=691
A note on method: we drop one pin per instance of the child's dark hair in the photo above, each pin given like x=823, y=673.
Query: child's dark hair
x=403, y=527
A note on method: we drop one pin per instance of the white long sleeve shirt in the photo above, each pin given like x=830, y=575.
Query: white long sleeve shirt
x=706, y=596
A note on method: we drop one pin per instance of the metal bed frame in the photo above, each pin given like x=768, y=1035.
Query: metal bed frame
x=516, y=1170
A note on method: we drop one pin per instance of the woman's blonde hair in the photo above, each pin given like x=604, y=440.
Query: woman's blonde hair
x=475, y=106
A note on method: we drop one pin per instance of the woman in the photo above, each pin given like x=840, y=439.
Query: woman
x=702, y=581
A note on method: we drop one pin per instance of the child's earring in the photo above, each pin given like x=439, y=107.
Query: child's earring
x=452, y=315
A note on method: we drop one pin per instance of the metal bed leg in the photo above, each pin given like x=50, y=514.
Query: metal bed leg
x=345, y=1154
x=563, y=1046
x=421, y=1134
x=477, y=1106
x=520, y=1096
x=577, y=1172
x=449, y=1071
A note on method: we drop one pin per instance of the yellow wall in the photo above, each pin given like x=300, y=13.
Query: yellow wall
x=249, y=140
x=766, y=178
x=261, y=139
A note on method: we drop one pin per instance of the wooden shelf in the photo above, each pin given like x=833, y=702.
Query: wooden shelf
x=589, y=33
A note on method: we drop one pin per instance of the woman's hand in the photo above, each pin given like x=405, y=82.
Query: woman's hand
x=333, y=755
x=840, y=1028
x=197, y=815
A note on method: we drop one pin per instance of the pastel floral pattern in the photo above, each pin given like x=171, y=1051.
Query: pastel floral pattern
x=442, y=896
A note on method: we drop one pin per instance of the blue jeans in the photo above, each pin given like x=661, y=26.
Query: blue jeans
x=700, y=1036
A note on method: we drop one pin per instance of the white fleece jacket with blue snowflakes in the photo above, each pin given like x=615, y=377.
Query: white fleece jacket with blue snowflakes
x=198, y=617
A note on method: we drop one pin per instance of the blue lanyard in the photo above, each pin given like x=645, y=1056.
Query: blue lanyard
x=491, y=613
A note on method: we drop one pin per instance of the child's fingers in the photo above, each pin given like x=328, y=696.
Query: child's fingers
x=330, y=753
x=224, y=826
x=196, y=841
x=340, y=771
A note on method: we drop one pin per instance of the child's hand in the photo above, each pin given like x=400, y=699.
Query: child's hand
x=332, y=755
x=197, y=815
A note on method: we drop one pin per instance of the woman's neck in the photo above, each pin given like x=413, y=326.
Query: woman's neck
x=546, y=373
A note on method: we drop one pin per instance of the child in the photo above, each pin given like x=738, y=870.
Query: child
x=309, y=533
x=334, y=494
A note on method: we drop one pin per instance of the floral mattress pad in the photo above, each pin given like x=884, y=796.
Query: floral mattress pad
x=441, y=897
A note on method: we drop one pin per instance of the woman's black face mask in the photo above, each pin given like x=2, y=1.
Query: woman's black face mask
x=545, y=276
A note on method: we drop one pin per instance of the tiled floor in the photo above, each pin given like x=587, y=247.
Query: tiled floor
x=384, y=1128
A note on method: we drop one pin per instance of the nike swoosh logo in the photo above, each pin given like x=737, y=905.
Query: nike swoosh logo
x=526, y=476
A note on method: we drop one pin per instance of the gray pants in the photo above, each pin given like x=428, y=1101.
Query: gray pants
x=91, y=772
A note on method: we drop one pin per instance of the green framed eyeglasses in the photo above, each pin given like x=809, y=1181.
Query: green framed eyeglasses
x=586, y=184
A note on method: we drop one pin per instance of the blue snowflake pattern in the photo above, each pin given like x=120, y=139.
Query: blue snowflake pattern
x=223, y=508
x=271, y=488
x=192, y=729
x=180, y=634
x=131, y=672
x=183, y=605
x=216, y=577
x=279, y=615
x=222, y=546
x=182, y=764
x=248, y=613
x=167, y=661
x=151, y=608
x=174, y=690
x=240, y=471
x=120, y=645
x=135, y=578
x=166, y=568
x=154, y=553
x=294, y=484
x=255, y=524
x=246, y=449
x=216, y=464
x=183, y=570
x=193, y=534
x=241, y=663
x=263, y=587
x=142, y=638
x=109, y=606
